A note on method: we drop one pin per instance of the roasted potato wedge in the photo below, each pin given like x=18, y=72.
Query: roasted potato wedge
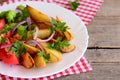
x=31, y=49
x=43, y=33
x=68, y=49
x=40, y=19
x=68, y=35
x=39, y=61
x=55, y=55
x=26, y=60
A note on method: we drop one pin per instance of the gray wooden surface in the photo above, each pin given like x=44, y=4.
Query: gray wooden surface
x=104, y=44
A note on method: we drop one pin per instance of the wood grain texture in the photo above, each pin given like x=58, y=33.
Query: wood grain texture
x=103, y=55
x=104, y=30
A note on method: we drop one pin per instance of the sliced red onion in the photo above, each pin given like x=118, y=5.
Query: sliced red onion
x=48, y=39
x=6, y=45
x=18, y=10
x=17, y=25
x=37, y=43
x=29, y=21
x=36, y=33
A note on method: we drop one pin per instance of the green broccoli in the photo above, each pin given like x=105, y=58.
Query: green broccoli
x=10, y=15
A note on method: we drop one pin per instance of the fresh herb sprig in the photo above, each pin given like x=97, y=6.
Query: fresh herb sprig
x=41, y=53
x=74, y=4
x=58, y=44
x=18, y=48
x=57, y=25
x=2, y=40
x=45, y=56
x=21, y=15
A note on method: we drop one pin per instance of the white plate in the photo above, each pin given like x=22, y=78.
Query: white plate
x=80, y=40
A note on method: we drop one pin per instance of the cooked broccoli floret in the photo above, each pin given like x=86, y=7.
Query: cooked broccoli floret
x=10, y=15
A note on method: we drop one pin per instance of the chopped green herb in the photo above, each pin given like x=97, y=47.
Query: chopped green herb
x=47, y=57
x=22, y=31
x=58, y=44
x=60, y=26
x=2, y=40
x=25, y=13
x=16, y=48
x=21, y=15
x=74, y=4
x=41, y=53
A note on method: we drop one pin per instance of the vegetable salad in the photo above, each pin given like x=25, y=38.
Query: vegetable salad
x=31, y=38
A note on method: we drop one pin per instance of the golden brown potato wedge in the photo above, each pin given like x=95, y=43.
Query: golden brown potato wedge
x=39, y=61
x=26, y=60
x=55, y=55
x=43, y=33
x=68, y=35
x=31, y=49
x=68, y=49
x=39, y=18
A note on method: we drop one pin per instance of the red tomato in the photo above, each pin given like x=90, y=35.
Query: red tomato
x=2, y=23
x=8, y=59
x=2, y=52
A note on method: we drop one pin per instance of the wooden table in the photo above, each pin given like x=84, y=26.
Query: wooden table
x=104, y=44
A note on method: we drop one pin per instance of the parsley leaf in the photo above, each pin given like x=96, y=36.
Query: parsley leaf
x=47, y=57
x=21, y=15
x=41, y=53
x=58, y=44
x=22, y=31
x=60, y=26
x=25, y=13
x=16, y=48
x=74, y=4
x=2, y=40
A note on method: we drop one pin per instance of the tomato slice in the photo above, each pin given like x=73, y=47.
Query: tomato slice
x=2, y=23
x=2, y=52
x=8, y=59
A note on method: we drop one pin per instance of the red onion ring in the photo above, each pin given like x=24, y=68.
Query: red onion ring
x=37, y=43
x=36, y=33
x=18, y=10
x=6, y=45
x=17, y=25
x=48, y=39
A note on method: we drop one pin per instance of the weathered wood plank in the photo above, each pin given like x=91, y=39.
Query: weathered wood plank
x=101, y=71
x=104, y=30
x=109, y=8
x=103, y=55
